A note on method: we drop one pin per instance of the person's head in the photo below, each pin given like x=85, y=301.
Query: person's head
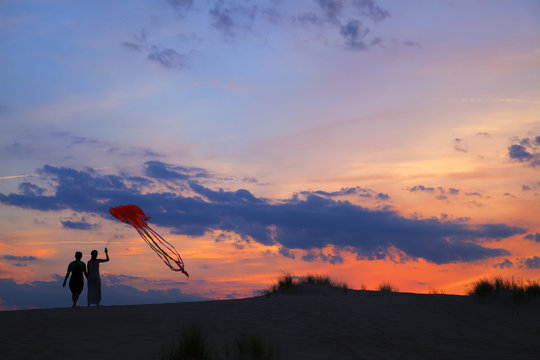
x=94, y=254
x=78, y=255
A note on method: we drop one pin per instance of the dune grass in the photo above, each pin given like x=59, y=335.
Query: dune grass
x=192, y=345
x=387, y=287
x=289, y=284
x=519, y=289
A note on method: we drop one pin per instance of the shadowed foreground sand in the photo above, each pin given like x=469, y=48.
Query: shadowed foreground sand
x=331, y=325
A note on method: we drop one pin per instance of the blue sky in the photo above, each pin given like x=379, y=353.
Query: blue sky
x=265, y=131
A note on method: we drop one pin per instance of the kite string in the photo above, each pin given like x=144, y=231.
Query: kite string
x=168, y=246
x=159, y=251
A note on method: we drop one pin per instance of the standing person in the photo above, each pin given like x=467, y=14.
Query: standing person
x=94, y=281
x=77, y=269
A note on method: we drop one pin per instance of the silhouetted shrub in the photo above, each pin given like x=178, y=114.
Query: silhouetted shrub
x=387, y=287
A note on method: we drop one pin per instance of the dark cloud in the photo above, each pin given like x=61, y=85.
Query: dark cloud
x=132, y=46
x=371, y=10
x=460, y=145
x=165, y=56
x=307, y=221
x=504, y=265
x=30, y=189
x=19, y=258
x=525, y=150
x=354, y=35
x=530, y=263
x=518, y=152
x=168, y=58
x=308, y=18
x=78, y=225
x=49, y=294
x=287, y=252
x=439, y=192
x=533, y=237
x=231, y=17
x=421, y=188
x=331, y=8
x=314, y=255
x=181, y=4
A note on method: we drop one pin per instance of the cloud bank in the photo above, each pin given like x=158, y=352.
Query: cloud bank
x=310, y=221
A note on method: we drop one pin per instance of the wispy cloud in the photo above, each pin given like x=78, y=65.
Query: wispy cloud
x=19, y=257
x=439, y=192
x=308, y=221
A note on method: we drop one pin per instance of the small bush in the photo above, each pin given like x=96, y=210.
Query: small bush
x=387, y=287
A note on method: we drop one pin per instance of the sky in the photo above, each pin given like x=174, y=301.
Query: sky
x=369, y=140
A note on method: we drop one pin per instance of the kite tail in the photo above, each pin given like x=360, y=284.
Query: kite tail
x=169, y=255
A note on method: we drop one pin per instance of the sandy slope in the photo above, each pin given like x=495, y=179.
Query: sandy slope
x=356, y=325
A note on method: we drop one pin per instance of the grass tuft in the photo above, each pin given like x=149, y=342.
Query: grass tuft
x=387, y=287
x=191, y=345
x=433, y=291
x=289, y=284
x=252, y=347
x=517, y=288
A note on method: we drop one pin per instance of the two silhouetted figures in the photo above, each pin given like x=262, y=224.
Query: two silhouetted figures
x=78, y=271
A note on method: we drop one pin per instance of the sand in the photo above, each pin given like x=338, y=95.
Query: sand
x=313, y=325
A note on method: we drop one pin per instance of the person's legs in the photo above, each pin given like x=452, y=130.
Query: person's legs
x=75, y=298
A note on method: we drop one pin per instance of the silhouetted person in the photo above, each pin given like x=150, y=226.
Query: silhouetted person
x=77, y=269
x=94, y=281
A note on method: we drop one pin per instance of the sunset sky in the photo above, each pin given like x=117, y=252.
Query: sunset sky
x=368, y=140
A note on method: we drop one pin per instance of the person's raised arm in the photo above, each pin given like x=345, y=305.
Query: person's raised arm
x=106, y=254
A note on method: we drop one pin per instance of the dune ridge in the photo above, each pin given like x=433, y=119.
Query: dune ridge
x=357, y=324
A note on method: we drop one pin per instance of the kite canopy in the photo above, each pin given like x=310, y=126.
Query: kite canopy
x=133, y=215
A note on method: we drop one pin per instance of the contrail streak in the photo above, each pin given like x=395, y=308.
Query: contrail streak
x=18, y=176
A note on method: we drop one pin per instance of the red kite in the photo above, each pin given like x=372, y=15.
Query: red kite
x=133, y=215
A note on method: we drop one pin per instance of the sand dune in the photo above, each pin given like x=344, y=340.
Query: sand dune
x=329, y=325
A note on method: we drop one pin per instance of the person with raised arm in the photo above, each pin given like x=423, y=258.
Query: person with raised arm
x=94, y=280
